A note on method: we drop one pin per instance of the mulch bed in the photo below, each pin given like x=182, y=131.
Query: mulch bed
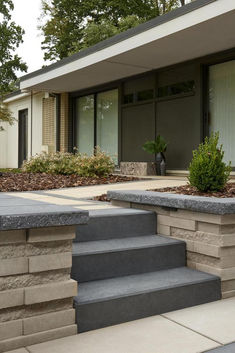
x=228, y=191
x=41, y=181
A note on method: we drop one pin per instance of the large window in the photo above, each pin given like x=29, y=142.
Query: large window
x=176, y=89
x=222, y=105
x=107, y=122
x=85, y=124
x=97, y=123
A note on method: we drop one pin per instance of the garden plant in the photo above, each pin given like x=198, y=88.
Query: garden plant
x=207, y=171
x=157, y=147
x=98, y=165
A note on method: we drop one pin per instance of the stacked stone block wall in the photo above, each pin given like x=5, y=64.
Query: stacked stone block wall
x=210, y=239
x=36, y=292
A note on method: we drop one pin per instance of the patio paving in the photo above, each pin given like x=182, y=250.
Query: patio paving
x=192, y=330
x=215, y=320
x=230, y=348
x=81, y=197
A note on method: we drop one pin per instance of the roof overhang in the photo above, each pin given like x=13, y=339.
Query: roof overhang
x=15, y=96
x=201, y=28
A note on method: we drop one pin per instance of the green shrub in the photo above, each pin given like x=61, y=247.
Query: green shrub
x=100, y=164
x=207, y=171
x=37, y=164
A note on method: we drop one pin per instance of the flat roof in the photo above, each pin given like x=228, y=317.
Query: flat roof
x=199, y=28
x=122, y=36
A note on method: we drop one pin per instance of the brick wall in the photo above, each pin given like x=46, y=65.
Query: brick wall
x=64, y=122
x=49, y=124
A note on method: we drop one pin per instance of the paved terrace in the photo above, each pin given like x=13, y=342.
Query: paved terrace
x=81, y=197
x=204, y=328
x=209, y=327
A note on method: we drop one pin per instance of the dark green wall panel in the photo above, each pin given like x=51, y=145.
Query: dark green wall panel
x=138, y=126
x=179, y=124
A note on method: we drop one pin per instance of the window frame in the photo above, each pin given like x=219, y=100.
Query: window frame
x=75, y=114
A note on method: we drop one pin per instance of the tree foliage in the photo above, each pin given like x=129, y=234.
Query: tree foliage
x=11, y=36
x=72, y=25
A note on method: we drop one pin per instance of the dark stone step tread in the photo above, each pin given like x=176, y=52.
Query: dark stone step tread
x=117, y=223
x=123, y=257
x=119, y=211
x=122, y=244
x=109, y=289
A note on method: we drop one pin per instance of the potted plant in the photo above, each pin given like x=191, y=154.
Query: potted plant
x=157, y=147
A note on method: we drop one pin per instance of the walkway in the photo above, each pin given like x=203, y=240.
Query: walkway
x=81, y=197
x=192, y=330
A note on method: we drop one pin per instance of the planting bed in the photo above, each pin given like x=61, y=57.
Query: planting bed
x=41, y=181
x=228, y=191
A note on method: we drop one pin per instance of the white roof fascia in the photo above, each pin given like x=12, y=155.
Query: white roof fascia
x=181, y=23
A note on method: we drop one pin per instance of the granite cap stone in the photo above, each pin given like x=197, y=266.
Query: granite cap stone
x=213, y=205
x=23, y=215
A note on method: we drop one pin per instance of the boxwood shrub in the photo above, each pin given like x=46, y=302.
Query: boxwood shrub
x=207, y=171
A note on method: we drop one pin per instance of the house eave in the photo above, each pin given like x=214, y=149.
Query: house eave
x=201, y=28
x=14, y=96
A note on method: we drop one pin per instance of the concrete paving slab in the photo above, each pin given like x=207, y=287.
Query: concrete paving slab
x=230, y=348
x=90, y=191
x=20, y=350
x=94, y=206
x=151, y=335
x=79, y=196
x=215, y=320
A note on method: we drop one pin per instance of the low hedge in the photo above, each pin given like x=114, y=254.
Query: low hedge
x=99, y=164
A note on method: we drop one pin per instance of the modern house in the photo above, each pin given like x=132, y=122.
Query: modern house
x=174, y=76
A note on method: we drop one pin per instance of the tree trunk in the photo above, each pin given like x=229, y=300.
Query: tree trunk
x=182, y=2
x=163, y=6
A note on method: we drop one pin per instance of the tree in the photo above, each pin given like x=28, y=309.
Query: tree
x=72, y=25
x=10, y=39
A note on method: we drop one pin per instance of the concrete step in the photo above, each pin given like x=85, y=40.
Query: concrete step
x=113, y=301
x=121, y=257
x=116, y=223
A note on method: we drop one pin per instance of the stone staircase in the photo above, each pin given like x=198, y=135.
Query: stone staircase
x=127, y=272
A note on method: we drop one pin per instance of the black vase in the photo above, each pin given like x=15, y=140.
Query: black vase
x=163, y=167
x=160, y=164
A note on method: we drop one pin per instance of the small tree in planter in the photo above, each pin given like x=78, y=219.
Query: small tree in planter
x=157, y=147
x=207, y=171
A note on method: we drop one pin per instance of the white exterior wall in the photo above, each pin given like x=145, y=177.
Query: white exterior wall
x=3, y=146
x=9, y=137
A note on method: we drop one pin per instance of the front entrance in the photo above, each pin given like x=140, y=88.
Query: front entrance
x=222, y=106
x=22, y=136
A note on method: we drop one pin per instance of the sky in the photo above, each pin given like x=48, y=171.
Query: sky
x=26, y=14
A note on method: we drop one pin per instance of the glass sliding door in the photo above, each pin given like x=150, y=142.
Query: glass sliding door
x=85, y=124
x=97, y=123
x=222, y=106
x=107, y=122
